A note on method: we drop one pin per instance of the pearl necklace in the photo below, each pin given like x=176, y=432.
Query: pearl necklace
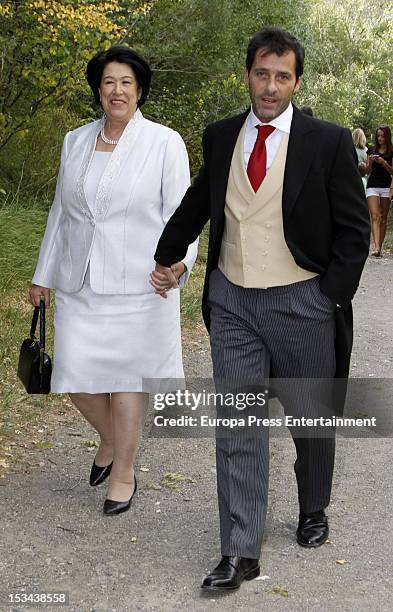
x=108, y=141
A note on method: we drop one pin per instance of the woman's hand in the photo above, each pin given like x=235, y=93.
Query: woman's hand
x=163, y=278
x=384, y=163
x=368, y=164
x=362, y=169
x=178, y=269
x=36, y=292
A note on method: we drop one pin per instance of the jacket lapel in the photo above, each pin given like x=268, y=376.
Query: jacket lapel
x=222, y=158
x=301, y=151
x=112, y=170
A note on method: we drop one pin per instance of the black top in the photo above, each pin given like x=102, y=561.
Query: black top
x=379, y=176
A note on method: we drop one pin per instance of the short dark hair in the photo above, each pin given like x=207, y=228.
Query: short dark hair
x=123, y=55
x=278, y=41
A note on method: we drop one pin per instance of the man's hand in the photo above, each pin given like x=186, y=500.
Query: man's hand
x=36, y=292
x=163, y=278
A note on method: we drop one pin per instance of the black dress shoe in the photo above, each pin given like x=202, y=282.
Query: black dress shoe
x=313, y=529
x=117, y=507
x=230, y=573
x=98, y=474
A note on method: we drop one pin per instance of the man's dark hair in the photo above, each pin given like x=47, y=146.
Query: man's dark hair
x=307, y=110
x=278, y=41
x=123, y=55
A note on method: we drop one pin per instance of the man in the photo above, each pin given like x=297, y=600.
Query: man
x=289, y=233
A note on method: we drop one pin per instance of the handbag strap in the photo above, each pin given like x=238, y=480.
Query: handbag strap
x=39, y=311
x=42, y=324
x=34, y=322
x=42, y=334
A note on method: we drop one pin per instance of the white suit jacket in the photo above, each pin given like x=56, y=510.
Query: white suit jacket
x=142, y=185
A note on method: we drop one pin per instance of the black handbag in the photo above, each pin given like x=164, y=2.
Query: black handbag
x=35, y=367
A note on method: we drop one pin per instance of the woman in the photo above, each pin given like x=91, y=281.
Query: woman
x=120, y=180
x=379, y=168
x=359, y=140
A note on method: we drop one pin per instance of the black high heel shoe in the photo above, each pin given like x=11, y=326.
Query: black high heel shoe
x=117, y=507
x=98, y=474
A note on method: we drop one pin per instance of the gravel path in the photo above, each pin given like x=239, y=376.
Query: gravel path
x=54, y=537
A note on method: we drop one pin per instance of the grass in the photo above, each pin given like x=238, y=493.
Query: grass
x=21, y=234
x=22, y=415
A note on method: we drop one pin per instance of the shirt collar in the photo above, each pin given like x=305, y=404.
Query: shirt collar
x=282, y=122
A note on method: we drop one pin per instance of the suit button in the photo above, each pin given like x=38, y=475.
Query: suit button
x=264, y=252
x=268, y=225
x=263, y=267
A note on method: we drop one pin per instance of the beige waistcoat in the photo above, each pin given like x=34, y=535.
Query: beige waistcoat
x=253, y=250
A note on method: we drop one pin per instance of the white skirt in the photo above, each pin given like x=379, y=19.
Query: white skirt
x=116, y=343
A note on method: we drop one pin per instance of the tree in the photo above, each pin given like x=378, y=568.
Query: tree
x=349, y=69
x=45, y=45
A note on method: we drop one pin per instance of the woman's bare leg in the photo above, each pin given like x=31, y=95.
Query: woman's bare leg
x=375, y=214
x=96, y=409
x=385, y=205
x=128, y=411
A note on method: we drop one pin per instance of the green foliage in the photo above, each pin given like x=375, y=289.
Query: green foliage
x=348, y=76
x=22, y=230
x=196, y=49
x=45, y=47
x=197, y=52
x=21, y=234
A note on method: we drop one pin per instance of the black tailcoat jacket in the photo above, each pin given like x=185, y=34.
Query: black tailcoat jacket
x=325, y=214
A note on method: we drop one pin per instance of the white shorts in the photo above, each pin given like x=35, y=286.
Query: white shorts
x=381, y=192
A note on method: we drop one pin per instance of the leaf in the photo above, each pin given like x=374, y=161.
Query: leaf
x=279, y=590
x=171, y=480
x=4, y=464
x=144, y=469
x=153, y=486
x=341, y=561
x=42, y=444
x=133, y=540
x=91, y=443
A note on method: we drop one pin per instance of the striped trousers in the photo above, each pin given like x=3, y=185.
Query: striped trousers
x=285, y=332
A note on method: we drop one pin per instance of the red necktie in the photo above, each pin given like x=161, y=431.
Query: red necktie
x=256, y=168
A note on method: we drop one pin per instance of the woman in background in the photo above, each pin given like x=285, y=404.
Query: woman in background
x=120, y=180
x=379, y=168
x=359, y=140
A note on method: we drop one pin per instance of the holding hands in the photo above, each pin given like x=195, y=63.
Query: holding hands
x=163, y=278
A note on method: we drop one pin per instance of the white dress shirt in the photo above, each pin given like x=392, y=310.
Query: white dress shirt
x=282, y=123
